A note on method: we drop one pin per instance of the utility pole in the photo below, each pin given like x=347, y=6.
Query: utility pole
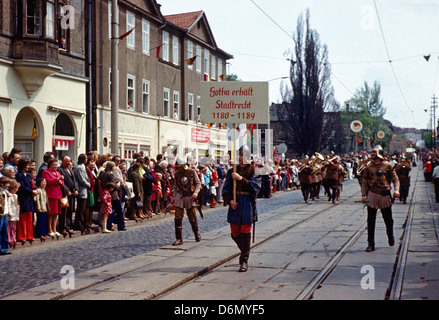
x=434, y=124
x=115, y=77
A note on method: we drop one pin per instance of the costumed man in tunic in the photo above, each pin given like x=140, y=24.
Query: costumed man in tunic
x=305, y=178
x=187, y=187
x=402, y=170
x=375, y=191
x=242, y=210
x=332, y=174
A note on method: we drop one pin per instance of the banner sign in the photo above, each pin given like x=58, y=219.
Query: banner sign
x=200, y=135
x=235, y=102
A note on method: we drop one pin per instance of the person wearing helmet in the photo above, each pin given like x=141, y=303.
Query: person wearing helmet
x=375, y=191
x=242, y=210
x=186, y=189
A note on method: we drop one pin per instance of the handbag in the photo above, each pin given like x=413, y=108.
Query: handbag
x=64, y=202
x=139, y=205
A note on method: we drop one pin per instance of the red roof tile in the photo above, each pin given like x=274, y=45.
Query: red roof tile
x=184, y=20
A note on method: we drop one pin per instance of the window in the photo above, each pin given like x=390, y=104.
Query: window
x=145, y=96
x=165, y=47
x=166, y=94
x=64, y=12
x=131, y=23
x=145, y=36
x=50, y=20
x=191, y=106
x=213, y=69
x=131, y=92
x=175, y=50
x=199, y=109
x=109, y=86
x=220, y=69
x=33, y=17
x=110, y=18
x=198, y=61
x=190, y=53
x=176, y=105
x=206, y=64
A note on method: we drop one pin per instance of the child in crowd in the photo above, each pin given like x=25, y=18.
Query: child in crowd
x=14, y=213
x=106, y=207
x=41, y=207
x=159, y=193
x=5, y=183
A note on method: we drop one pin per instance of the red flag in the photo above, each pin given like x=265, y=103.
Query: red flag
x=158, y=50
x=126, y=34
x=358, y=139
x=251, y=128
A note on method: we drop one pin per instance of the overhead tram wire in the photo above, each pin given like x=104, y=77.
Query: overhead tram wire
x=278, y=25
x=390, y=61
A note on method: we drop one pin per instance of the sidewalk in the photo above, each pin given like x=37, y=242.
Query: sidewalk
x=421, y=277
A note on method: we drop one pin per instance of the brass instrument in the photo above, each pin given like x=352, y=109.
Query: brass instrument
x=304, y=164
x=314, y=163
x=364, y=165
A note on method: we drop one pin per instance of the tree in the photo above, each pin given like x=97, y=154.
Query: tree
x=367, y=106
x=310, y=95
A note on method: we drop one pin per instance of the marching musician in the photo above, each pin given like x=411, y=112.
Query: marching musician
x=305, y=178
x=375, y=191
x=332, y=174
x=242, y=210
x=402, y=170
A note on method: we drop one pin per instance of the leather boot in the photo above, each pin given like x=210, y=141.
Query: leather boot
x=178, y=232
x=245, y=251
x=237, y=241
x=196, y=231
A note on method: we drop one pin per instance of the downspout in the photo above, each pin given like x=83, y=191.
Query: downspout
x=157, y=97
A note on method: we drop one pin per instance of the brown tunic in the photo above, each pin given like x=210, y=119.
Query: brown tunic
x=187, y=183
x=376, y=184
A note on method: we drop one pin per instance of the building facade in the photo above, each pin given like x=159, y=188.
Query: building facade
x=43, y=76
x=161, y=64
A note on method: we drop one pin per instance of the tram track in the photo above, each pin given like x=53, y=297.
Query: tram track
x=203, y=271
x=396, y=281
x=307, y=291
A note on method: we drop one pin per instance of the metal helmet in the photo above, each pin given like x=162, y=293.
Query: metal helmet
x=380, y=151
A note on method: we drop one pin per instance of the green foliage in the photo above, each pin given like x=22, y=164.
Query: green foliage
x=367, y=106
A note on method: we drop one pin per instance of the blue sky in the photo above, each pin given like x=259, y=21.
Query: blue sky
x=351, y=30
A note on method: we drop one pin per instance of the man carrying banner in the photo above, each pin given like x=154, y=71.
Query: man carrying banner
x=242, y=206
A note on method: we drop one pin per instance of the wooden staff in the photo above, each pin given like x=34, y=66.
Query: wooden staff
x=234, y=162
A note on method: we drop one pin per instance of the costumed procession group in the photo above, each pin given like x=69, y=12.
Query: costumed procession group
x=30, y=200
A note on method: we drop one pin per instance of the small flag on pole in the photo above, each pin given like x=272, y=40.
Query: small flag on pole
x=126, y=34
x=34, y=129
x=158, y=50
x=191, y=60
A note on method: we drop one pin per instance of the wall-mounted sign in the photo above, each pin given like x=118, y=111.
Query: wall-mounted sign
x=356, y=126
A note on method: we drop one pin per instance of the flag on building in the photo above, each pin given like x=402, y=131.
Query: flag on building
x=191, y=60
x=126, y=34
x=34, y=129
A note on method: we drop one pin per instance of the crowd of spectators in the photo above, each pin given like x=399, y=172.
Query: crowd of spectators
x=65, y=196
